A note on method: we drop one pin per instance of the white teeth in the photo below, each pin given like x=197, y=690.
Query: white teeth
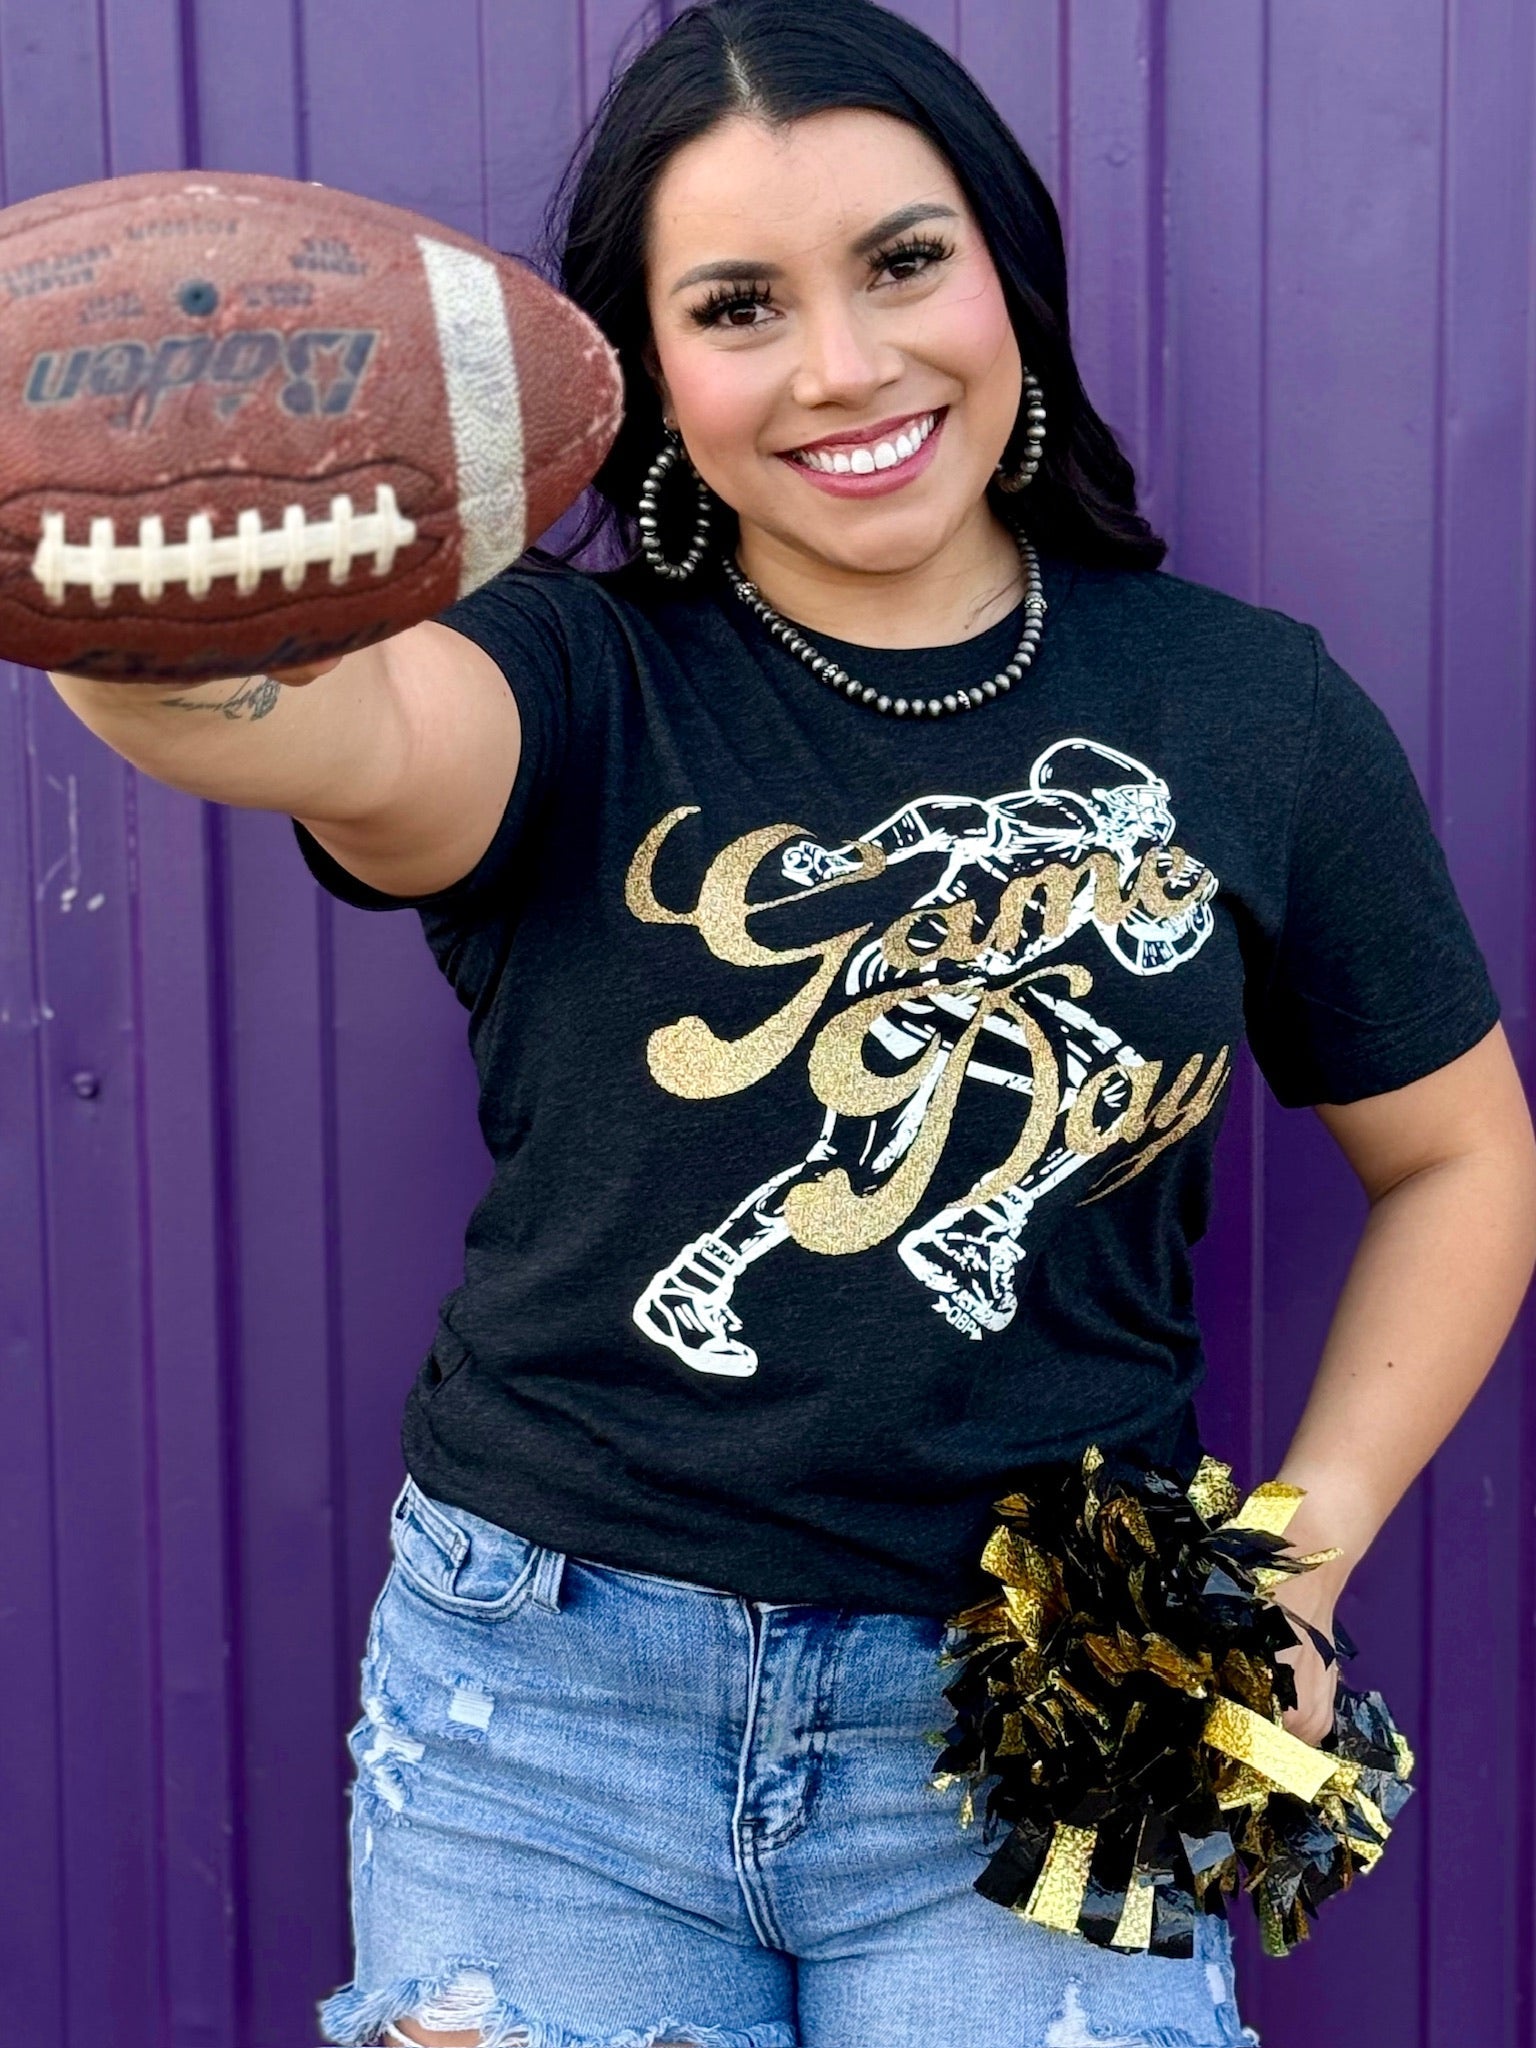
x=862, y=461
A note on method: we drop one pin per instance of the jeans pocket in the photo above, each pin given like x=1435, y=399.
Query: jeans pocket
x=457, y=1561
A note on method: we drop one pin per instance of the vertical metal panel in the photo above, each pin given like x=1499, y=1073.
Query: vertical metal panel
x=102, y=1483
x=111, y=1954
x=31, y=1788
x=52, y=95
x=1016, y=54
x=189, y=1419
x=611, y=32
x=1215, y=262
x=1478, y=1724
x=143, y=78
x=1301, y=253
x=31, y=1791
x=245, y=84
x=1113, y=156
x=533, y=71
x=397, y=115
x=937, y=18
x=1213, y=513
x=1351, y=388
x=296, y=1662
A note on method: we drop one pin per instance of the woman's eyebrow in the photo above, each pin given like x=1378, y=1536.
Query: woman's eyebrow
x=731, y=268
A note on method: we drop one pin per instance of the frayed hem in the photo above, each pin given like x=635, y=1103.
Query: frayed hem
x=352, y=2018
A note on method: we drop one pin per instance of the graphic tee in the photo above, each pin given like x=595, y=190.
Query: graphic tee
x=851, y=1083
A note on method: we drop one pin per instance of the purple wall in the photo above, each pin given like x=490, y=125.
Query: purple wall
x=237, y=1141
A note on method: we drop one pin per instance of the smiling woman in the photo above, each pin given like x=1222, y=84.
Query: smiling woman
x=834, y=331
x=946, y=209
x=883, y=875
x=857, y=916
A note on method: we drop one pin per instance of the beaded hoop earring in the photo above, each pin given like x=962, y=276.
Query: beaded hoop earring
x=1034, y=438
x=672, y=452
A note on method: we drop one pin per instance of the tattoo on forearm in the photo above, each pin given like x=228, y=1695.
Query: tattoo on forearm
x=254, y=697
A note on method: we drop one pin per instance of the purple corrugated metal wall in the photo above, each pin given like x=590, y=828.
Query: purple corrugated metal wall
x=237, y=1142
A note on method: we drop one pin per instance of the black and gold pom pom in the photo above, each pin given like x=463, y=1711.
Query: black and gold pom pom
x=1121, y=1693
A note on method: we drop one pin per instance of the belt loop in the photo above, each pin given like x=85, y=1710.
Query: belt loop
x=547, y=1575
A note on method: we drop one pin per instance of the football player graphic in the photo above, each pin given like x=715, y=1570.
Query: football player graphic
x=1082, y=799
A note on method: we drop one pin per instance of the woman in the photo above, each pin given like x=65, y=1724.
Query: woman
x=853, y=1001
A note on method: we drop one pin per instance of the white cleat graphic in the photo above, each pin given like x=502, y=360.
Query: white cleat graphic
x=688, y=1308
x=970, y=1270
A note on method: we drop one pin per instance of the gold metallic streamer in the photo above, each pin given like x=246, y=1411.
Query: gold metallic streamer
x=1212, y=1492
x=1284, y=1759
x=1134, y=1929
x=1269, y=1506
x=1062, y=1885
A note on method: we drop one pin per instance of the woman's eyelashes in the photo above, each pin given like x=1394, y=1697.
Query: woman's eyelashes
x=727, y=299
x=903, y=262
x=925, y=249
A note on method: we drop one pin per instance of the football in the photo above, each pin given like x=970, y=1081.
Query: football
x=249, y=424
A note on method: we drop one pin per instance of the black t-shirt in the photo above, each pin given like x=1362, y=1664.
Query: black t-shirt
x=851, y=1083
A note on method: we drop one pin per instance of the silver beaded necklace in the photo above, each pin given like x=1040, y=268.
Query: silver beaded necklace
x=906, y=707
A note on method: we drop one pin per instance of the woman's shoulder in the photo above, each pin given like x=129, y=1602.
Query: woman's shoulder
x=1193, y=618
x=544, y=583
x=581, y=600
x=1246, y=675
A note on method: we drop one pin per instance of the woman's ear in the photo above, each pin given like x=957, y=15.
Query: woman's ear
x=652, y=363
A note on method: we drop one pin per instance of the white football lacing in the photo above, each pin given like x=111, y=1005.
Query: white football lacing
x=102, y=567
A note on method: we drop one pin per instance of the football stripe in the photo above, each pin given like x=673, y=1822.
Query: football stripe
x=485, y=407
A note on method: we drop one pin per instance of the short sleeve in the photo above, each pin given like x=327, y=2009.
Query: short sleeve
x=1375, y=978
x=520, y=619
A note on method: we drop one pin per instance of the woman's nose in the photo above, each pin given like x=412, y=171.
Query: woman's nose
x=841, y=361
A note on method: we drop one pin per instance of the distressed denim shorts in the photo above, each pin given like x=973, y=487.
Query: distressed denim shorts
x=598, y=1809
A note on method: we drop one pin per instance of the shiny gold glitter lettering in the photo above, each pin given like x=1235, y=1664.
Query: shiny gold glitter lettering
x=1172, y=1105
x=838, y=1076
x=1044, y=1091
x=639, y=896
x=826, y=1215
x=959, y=942
x=1110, y=907
x=1057, y=885
x=687, y=1058
x=722, y=911
x=1150, y=891
x=1175, y=1117
x=1084, y=1136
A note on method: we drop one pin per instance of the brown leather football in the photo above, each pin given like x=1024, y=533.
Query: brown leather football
x=248, y=424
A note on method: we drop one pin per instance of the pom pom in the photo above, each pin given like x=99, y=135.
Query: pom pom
x=1120, y=1697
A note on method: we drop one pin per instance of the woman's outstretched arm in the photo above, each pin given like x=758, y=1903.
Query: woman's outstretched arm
x=1443, y=1263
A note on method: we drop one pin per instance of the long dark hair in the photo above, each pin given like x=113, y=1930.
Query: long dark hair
x=778, y=60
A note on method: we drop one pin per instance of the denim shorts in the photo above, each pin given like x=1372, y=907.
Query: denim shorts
x=598, y=1809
